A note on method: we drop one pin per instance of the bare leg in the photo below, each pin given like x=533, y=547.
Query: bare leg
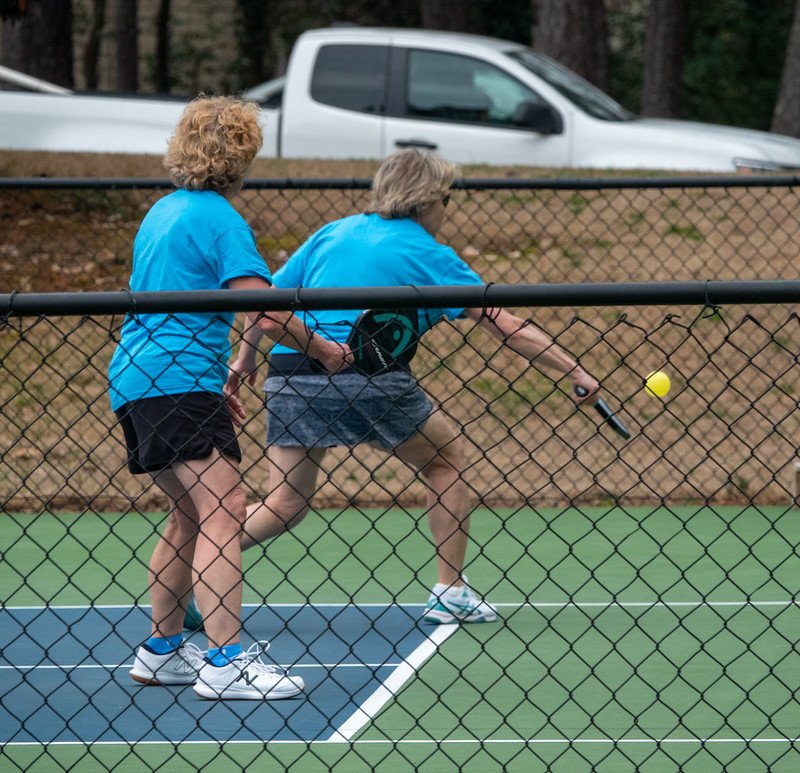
x=293, y=481
x=436, y=453
x=214, y=487
x=170, y=572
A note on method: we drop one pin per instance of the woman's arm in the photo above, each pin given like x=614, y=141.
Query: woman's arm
x=531, y=342
x=281, y=326
x=286, y=328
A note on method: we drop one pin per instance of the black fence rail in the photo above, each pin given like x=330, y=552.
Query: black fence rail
x=726, y=432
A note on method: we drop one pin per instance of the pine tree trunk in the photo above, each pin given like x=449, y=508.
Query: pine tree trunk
x=786, y=118
x=444, y=15
x=664, y=48
x=253, y=38
x=161, y=73
x=574, y=33
x=91, y=54
x=40, y=42
x=127, y=38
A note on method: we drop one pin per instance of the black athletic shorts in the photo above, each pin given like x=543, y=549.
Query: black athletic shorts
x=160, y=431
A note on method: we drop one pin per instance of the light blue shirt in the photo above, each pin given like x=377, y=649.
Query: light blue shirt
x=189, y=240
x=371, y=251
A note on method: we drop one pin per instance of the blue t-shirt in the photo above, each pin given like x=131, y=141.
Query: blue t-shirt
x=189, y=240
x=371, y=251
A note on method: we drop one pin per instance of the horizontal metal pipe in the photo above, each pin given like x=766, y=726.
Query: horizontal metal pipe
x=711, y=293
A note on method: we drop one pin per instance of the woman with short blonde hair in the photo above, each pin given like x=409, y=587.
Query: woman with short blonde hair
x=408, y=182
x=310, y=412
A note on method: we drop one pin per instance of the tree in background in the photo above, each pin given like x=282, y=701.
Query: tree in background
x=786, y=118
x=574, y=33
x=91, y=52
x=37, y=39
x=734, y=59
x=161, y=68
x=307, y=14
x=127, y=45
x=514, y=23
x=12, y=9
x=254, y=18
x=664, y=48
x=444, y=14
x=627, y=27
x=287, y=19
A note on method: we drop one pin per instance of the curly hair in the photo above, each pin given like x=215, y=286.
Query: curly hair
x=409, y=181
x=214, y=143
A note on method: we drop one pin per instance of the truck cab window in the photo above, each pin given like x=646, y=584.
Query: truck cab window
x=581, y=93
x=459, y=88
x=352, y=77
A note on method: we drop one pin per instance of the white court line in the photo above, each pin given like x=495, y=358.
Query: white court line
x=115, y=666
x=550, y=741
x=665, y=604
x=282, y=605
x=391, y=685
x=649, y=741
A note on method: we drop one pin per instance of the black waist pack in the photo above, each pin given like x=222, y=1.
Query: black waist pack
x=384, y=339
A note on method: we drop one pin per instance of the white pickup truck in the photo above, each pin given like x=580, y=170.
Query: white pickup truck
x=361, y=93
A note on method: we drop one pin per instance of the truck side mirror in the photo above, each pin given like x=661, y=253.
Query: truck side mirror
x=541, y=118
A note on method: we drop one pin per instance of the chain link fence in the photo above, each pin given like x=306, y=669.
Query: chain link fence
x=646, y=589
x=78, y=234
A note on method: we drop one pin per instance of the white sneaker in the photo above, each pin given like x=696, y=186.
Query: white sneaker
x=247, y=677
x=178, y=667
x=457, y=605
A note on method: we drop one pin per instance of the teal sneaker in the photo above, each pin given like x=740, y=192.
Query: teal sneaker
x=457, y=605
x=192, y=619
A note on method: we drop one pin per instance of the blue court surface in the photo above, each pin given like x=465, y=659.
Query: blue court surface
x=64, y=674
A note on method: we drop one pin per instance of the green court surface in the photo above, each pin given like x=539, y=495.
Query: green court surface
x=630, y=638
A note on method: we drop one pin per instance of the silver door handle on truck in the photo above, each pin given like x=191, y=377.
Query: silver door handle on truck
x=414, y=143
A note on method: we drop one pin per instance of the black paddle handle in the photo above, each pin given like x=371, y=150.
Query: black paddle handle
x=608, y=415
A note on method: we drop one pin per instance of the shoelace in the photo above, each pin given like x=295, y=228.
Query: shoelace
x=192, y=657
x=251, y=660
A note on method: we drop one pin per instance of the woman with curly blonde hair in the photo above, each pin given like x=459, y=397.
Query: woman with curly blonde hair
x=166, y=383
x=214, y=145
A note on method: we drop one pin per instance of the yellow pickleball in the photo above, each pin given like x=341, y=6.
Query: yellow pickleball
x=657, y=383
